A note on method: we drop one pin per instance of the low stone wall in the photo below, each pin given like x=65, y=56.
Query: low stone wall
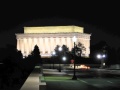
x=116, y=66
x=32, y=82
x=42, y=82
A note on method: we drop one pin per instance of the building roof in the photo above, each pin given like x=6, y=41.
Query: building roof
x=53, y=29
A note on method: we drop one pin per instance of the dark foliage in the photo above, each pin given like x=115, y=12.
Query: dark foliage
x=112, y=55
x=15, y=69
x=36, y=55
x=60, y=54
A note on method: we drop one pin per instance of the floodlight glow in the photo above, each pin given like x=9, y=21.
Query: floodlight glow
x=60, y=48
x=103, y=64
x=53, y=52
x=99, y=56
x=74, y=39
x=103, y=55
x=64, y=58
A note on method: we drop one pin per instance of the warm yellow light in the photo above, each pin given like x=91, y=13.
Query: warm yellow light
x=53, y=29
x=81, y=67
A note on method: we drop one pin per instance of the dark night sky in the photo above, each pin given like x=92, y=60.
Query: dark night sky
x=103, y=15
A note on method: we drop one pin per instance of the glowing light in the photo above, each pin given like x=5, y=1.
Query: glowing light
x=64, y=58
x=60, y=48
x=53, y=52
x=104, y=56
x=81, y=67
x=53, y=29
x=99, y=56
x=40, y=36
x=103, y=64
x=74, y=39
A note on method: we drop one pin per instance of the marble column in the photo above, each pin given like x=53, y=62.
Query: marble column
x=63, y=41
x=60, y=41
x=22, y=46
x=87, y=45
x=68, y=43
x=57, y=41
x=43, y=45
x=72, y=43
x=30, y=45
x=52, y=44
x=39, y=44
x=18, y=44
x=48, y=45
x=27, y=47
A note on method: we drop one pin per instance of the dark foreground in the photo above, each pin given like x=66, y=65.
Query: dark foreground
x=87, y=80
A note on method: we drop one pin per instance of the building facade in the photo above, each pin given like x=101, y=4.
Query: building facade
x=47, y=37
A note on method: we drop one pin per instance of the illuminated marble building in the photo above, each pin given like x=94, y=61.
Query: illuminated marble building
x=47, y=37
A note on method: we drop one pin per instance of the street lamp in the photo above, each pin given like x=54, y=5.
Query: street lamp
x=74, y=40
x=101, y=57
x=59, y=49
x=64, y=58
x=53, y=54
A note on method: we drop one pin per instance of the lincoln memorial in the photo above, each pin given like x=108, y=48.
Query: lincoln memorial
x=47, y=37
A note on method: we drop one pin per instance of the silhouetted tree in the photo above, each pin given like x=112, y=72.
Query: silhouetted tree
x=58, y=54
x=36, y=51
x=99, y=45
x=65, y=52
x=97, y=48
x=15, y=68
x=36, y=55
x=19, y=55
x=79, y=51
x=111, y=56
x=111, y=53
x=65, y=48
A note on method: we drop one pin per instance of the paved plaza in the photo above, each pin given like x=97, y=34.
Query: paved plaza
x=63, y=80
x=52, y=79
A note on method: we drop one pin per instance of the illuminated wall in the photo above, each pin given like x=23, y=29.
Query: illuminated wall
x=48, y=37
x=53, y=29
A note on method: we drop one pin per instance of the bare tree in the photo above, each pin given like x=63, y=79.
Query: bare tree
x=80, y=49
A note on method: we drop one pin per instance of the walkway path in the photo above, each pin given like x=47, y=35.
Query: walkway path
x=32, y=82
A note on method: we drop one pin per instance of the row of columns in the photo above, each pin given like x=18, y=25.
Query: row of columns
x=46, y=45
x=86, y=44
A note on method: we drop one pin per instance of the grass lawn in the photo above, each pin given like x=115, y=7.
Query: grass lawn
x=57, y=78
x=65, y=83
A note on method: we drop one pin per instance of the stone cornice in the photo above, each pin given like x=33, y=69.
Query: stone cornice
x=43, y=35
